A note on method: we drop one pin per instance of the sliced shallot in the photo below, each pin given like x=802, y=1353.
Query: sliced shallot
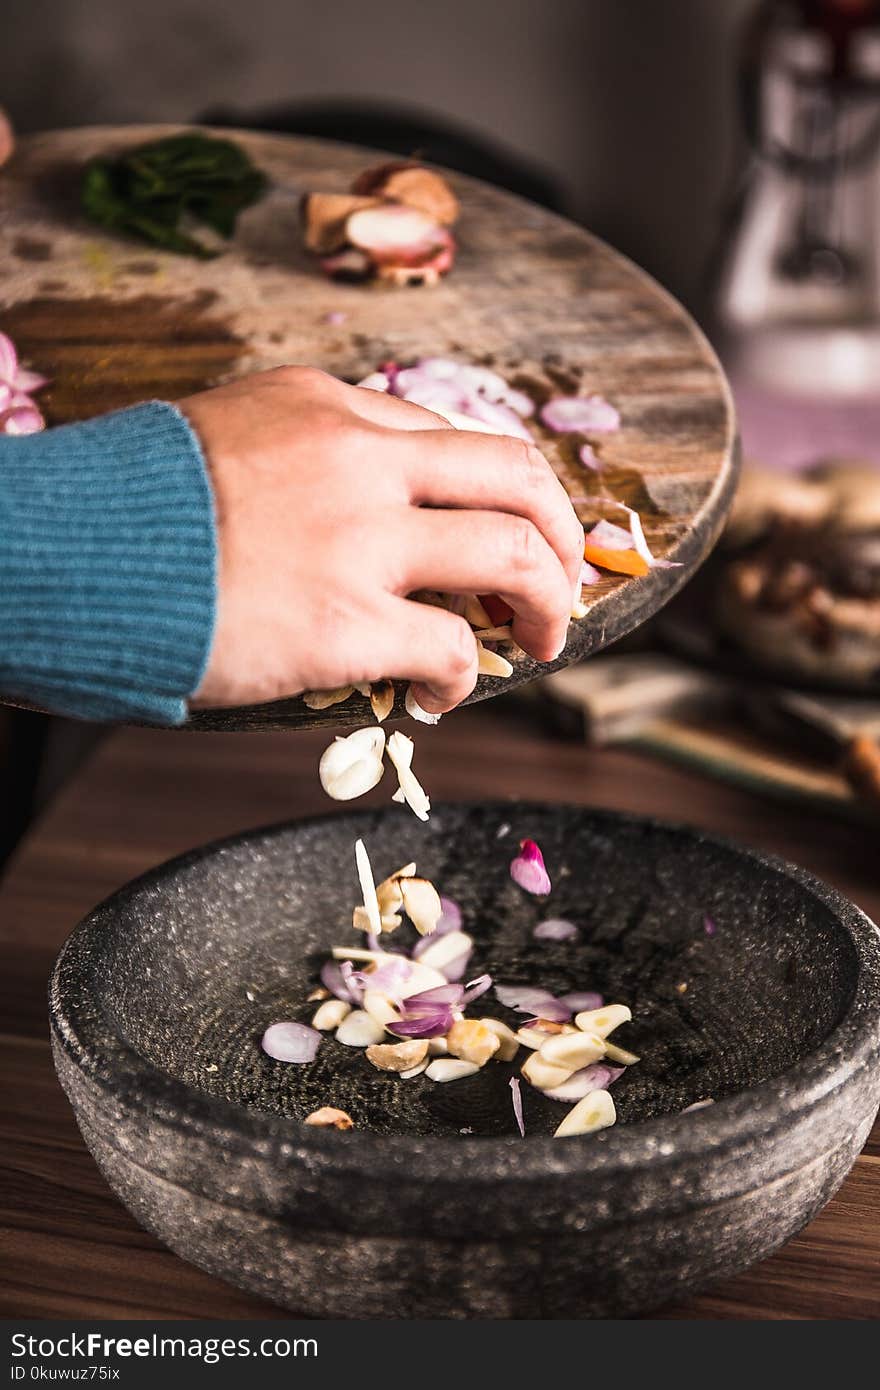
x=291, y=1042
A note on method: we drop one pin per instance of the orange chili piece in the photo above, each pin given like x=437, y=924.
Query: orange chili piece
x=618, y=561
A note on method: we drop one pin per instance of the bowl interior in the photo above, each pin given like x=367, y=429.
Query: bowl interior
x=190, y=965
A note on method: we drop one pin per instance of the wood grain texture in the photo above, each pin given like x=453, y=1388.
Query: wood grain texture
x=114, y=321
x=72, y=1250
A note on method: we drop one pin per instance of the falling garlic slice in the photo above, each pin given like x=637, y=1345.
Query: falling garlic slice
x=422, y=905
x=368, y=887
x=352, y=766
x=400, y=751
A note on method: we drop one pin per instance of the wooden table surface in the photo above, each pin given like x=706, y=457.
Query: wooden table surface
x=69, y=1249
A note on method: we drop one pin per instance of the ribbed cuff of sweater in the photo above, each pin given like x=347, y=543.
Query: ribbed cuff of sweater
x=108, y=566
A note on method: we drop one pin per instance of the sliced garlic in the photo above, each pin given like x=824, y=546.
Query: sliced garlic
x=595, y=1111
x=543, y=1074
x=437, y=1047
x=446, y=949
x=508, y=1043
x=603, y=1021
x=492, y=663
x=534, y=1034
x=474, y=612
x=400, y=751
x=352, y=766
x=390, y=921
x=472, y=1041
x=329, y=1117
x=572, y=1050
x=323, y=699
x=330, y=1015
x=422, y=905
x=381, y=699
x=420, y=977
x=620, y=1055
x=368, y=887
x=415, y=711
x=379, y=1007
x=319, y=993
x=400, y=1057
x=450, y=1069
x=358, y=1029
x=495, y=634
x=415, y=1071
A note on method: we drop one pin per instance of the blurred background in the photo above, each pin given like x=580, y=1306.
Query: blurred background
x=731, y=147
x=624, y=115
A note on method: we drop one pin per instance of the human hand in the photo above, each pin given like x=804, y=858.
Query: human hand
x=334, y=503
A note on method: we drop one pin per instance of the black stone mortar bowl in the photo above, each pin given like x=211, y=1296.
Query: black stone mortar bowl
x=432, y=1205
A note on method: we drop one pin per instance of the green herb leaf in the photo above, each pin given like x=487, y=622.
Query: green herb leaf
x=149, y=190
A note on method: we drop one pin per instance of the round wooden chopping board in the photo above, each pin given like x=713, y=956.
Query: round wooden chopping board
x=114, y=321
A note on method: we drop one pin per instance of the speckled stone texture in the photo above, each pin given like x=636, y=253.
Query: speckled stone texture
x=159, y=999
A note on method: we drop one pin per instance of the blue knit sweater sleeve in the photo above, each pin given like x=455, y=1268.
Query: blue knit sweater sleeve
x=108, y=561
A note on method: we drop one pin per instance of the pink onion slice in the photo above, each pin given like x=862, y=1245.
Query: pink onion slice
x=597, y=1077
x=537, y=1003
x=589, y=573
x=528, y=869
x=516, y=1098
x=580, y=1000
x=450, y=918
x=611, y=537
x=709, y=926
x=589, y=458
x=444, y=995
x=332, y=978
x=580, y=414
x=349, y=976
x=28, y=382
x=8, y=359
x=455, y=970
x=433, y=1023
x=502, y=418
x=387, y=976
x=21, y=419
x=474, y=988
x=457, y=389
x=556, y=929
x=291, y=1042
x=394, y=233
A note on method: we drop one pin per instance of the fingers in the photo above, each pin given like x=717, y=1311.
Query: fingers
x=488, y=472
x=490, y=552
x=434, y=649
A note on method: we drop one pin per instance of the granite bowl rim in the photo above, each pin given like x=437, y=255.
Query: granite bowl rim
x=852, y=1046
